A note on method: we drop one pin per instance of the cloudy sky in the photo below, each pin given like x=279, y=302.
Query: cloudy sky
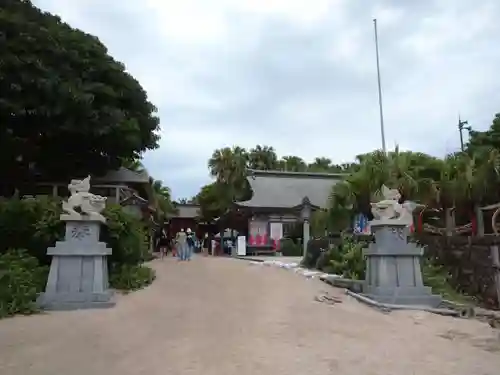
x=299, y=75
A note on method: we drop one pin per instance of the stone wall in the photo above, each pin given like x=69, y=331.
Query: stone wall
x=469, y=262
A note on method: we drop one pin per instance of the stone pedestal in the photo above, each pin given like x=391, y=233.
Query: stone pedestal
x=78, y=276
x=393, y=272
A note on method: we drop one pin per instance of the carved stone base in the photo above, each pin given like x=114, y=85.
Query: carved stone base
x=78, y=276
x=393, y=272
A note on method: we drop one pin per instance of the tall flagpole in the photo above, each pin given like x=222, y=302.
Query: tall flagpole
x=382, y=131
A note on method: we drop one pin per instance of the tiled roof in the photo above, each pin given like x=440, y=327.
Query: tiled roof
x=125, y=175
x=187, y=211
x=275, y=189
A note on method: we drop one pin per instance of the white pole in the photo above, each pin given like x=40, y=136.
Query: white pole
x=382, y=131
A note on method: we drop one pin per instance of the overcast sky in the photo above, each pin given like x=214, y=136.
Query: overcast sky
x=299, y=75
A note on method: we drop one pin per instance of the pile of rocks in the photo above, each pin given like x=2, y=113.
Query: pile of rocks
x=295, y=267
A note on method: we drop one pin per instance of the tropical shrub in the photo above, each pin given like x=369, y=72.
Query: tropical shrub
x=315, y=248
x=131, y=277
x=34, y=224
x=289, y=248
x=31, y=224
x=439, y=279
x=21, y=279
x=126, y=235
x=346, y=259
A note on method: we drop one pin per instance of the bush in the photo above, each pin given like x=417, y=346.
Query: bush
x=346, y=259
x=289, y=248
x=131, y=277
x=34, y=224
x=21, y=279
x=439, y=279
x=126, y=235
x=315, y=248
x=31, y=224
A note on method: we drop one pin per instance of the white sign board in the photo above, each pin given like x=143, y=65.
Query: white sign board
x=276, y=231
x=241, y=246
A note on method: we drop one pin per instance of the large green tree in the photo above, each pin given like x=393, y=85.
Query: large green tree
x=481, y=143
x=229, y=166
x=262, y=158
x=293, y=164
x=66, y=107
x=213, y=200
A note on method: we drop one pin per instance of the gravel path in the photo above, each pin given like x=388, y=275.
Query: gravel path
x=224, y=316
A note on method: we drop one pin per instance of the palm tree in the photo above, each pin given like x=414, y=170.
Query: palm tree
x=320, y=165
x=294, y=164
x=229, y=167
x=134, y=165
x=162, y=199
x=262, y=158
x=395, y=169
x=227, y=164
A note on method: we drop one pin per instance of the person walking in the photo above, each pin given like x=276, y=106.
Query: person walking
x=190, y=242
x=163, y=243
x=181, y=244
x=205, y=244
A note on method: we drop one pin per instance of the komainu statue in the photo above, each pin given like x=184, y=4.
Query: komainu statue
x=81, y=204
x=390, y=208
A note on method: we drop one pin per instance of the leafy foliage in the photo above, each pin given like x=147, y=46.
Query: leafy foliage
x=21, y=279
x=131, y=277
x=213, y=200
x=162, y=200
x=439, y=279
x=462, y=180
x=315, y=248
x=34, y=224
x=346, y=259
x=63, y=95
x=31, y=224
x=126, y=235
x=289, y=248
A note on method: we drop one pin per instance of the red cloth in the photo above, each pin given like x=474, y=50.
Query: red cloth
x=474, y=225
x=276, y=244
x=258, y=240
x=251, y=240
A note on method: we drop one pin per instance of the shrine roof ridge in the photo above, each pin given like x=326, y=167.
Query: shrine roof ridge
x=279, y=173
x=278, y=189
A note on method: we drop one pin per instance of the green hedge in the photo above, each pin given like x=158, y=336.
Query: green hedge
x=347, y=259
x=315, y=248
x=21, y=279
x=289, y=248
x=31, y=224
x=127, y=277
x=34, y=224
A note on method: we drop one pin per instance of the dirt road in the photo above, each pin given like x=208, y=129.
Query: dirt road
x=223, y=316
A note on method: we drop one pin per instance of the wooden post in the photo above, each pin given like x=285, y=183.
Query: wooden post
x=495, y=258
x=478, y=212
x=449, y=220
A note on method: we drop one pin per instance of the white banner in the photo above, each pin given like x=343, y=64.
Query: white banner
x=276, y=230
